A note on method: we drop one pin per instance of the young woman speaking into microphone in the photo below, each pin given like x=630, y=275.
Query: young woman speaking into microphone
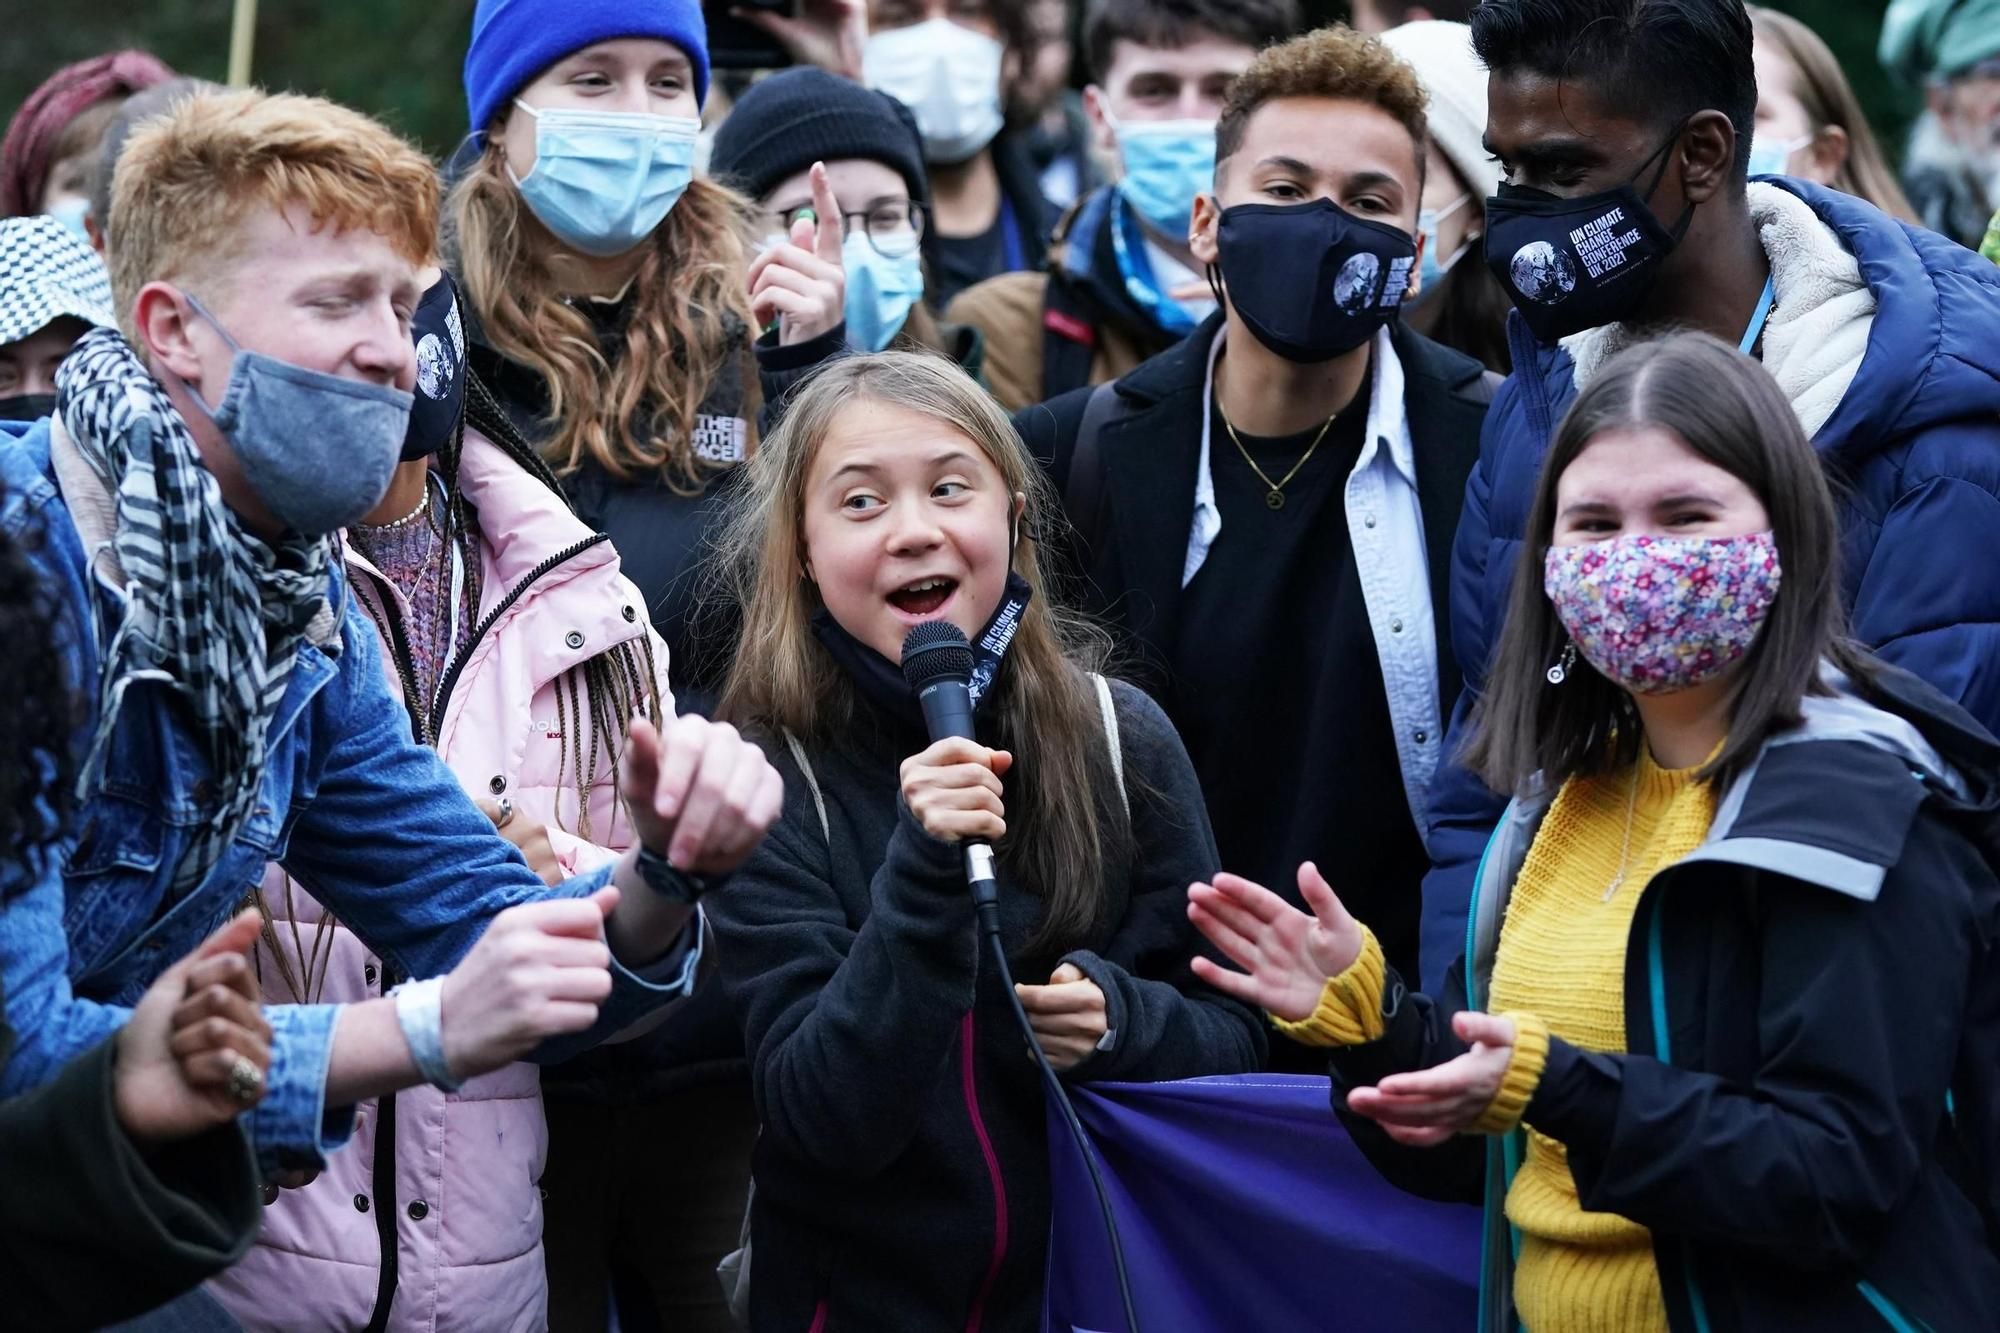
x=902, y=1176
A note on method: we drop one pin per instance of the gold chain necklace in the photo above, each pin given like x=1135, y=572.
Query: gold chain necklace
x=1274, y=497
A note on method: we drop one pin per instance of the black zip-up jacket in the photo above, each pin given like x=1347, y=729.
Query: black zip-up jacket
x=902, y=1177
x=1808, y=1119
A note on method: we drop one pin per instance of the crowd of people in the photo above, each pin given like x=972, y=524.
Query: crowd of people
x=1477, y=531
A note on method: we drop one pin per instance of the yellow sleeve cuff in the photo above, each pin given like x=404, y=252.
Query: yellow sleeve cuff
x=1350, y=1005
x=1524, y=1075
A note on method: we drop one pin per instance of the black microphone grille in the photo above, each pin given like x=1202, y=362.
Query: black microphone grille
x=933, y=651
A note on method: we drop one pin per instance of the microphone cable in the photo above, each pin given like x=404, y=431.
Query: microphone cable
x=987, y=904
x=937, y=664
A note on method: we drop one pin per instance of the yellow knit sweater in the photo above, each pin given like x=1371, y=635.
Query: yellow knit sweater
x=1560, y=971
x=1562, y=957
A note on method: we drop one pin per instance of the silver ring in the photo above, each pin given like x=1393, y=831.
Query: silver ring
x=506, y=813
x=246, y=1082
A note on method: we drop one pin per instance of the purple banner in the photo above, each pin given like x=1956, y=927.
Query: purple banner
x=1242, y=1205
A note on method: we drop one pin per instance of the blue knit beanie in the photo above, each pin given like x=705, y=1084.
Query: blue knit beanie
x=515, y=40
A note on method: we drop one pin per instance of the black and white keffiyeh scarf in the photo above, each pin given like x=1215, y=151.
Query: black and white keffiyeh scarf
x=212, y=610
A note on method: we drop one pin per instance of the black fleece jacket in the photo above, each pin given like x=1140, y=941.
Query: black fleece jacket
x=890, y=1077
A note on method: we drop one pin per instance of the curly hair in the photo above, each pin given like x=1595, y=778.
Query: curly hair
x=630, y=409
x=1335, y=62
x=38, y=715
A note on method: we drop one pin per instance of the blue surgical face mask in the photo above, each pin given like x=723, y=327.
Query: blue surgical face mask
x=1770, y=157
x=1167, y=163
x=603, y=180
x=1430, y=266
x=881, y=291
x=319, y=450
x=71, y=213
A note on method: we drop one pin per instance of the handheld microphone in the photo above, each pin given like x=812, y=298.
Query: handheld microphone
x=937, y=663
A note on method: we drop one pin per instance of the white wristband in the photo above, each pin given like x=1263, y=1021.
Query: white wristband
x=420, y=1013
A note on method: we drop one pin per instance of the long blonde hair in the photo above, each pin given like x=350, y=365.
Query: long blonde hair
x=631, y=412
x=1823, y=90
x=1060, y=844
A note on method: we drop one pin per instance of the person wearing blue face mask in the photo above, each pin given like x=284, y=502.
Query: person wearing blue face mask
x=1265, y=510
x=620, y=312
x=1809, y=123
x=230, y=702
x=1121, y=284
x=873, y=158
x=615, y=302
x=50, y=143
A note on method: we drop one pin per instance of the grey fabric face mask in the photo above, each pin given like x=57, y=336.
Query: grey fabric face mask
x=319, y=450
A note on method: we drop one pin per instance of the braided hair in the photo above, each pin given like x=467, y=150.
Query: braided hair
x=594, y=700
x=38, y=714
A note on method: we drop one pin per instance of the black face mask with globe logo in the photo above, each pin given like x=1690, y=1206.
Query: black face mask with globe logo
x=1575, y=264
x=1311, y=281
x=438, y=331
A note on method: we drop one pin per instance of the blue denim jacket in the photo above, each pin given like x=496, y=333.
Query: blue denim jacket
x=370, y=822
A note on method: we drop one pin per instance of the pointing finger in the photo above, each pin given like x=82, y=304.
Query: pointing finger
x=679, y=760
x=827, y=245
x=642, y=755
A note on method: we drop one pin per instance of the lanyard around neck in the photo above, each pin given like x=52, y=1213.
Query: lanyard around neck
x=1757, y=317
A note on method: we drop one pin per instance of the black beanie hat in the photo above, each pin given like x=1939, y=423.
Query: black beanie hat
x=800, y=116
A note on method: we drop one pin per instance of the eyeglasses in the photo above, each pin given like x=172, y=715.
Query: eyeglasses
x=893, y=227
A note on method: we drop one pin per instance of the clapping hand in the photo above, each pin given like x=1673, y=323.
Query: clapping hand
x=541, y=970
x=1427, y=1106
x=1286, y=955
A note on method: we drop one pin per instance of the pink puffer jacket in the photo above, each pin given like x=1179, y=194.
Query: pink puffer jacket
x=462, y=1198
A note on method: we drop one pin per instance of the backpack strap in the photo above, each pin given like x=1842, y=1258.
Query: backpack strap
x=1069, y=338
x=1083, y=488
x=812, y=782
x=1110, y=715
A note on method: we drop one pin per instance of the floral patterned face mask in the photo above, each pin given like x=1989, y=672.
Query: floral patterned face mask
x=1660, y=614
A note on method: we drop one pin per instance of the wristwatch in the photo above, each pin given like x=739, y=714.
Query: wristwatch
x=674, y=885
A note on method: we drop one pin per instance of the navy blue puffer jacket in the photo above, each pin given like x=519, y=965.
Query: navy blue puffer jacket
x=1914, y=445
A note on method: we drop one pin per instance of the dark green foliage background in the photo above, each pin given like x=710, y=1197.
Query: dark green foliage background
x=400, y=59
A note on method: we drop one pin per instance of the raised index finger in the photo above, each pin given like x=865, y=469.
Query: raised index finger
x=642, y=755
x=827, y=240
x=682, y=746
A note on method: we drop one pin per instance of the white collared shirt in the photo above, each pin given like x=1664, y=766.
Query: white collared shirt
x=1385, y=525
